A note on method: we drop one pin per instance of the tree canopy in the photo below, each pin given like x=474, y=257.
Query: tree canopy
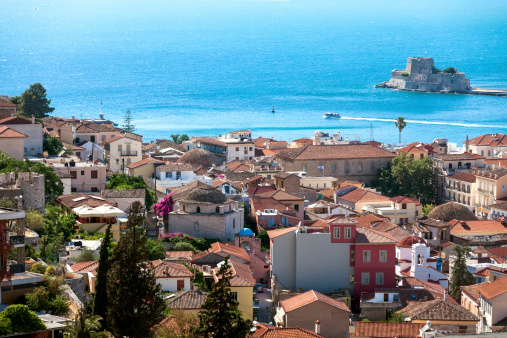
x=53, y=145
x=33, y=101
x=135, y=300
x=408, y=177
x=220, y=316
x=460, y=274
x=178, y=139
x=400, y=124
x=124, y=182
x=127, y=122
x=22, y=319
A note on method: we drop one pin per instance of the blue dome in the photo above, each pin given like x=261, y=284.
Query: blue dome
x=246, y=232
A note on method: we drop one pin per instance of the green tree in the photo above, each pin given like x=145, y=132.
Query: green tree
x=426, y=209
x=38, y=268
x=183, y=246
x=265, y=242
x=38, y=299
x=85, y=327
x=400, y=124
x=156, y=250
x=57, y=222
x=124, y=182
x=175, y=138
x=34, y=219
x=396, y=317
x=22, y=319
x=100, y=300
x=5, y=326
x=450, y=70
x=53, y=145
x=34, y=101
x=407, y=177
x=436, y=70
x=86, y=256
x=460, y=274
x=220, y=316
x=135, y=301
x=183, y=138
x=127, y=122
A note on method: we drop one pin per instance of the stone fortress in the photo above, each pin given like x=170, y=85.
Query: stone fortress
x=422, y=75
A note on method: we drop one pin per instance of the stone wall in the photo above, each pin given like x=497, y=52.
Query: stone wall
x=31, y=186
x=77, y=284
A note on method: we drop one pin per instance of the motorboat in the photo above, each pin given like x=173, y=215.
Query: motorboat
x=331, y=116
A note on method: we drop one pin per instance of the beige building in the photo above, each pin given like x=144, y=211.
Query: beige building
x=358, y=198
x=144, y=168
x=121, y=151
x=352, y=161
x=32, y=129
x=7, y=109
x=489, y=145
x=235, y=145
x=491, y=186
x=12, y=142
x=401, y=210
x=461, y=188
x=85, y=176
x=414, y=151
x=317, y=182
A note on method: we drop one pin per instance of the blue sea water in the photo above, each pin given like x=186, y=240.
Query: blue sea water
x=207, y=67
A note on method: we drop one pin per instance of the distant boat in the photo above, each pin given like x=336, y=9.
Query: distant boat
x=331, y=116
x=273, y=110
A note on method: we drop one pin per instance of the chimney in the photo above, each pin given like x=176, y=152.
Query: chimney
x=73, y=117
x=317, y=327
x=33, y=119
x=466, y=145
x=328, y=210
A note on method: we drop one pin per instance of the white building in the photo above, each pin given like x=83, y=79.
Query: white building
x=173, y=175
x=95, y=151
x=236, y=145
x=171, y=276
x=401, y=210
x=461, y=188
x=32, y=129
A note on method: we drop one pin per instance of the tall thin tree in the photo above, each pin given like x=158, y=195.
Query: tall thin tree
x=127, y=122
x=134, y=296
x=460, y=274
x=400, y=124
x=100, y=302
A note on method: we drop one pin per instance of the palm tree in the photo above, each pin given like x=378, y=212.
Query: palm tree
x=85, y=327
x=400, y=124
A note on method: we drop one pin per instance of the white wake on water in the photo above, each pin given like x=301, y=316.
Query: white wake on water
x=472, y=125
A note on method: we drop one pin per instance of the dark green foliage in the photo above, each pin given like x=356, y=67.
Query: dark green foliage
x=135, y=300
x=34, y=101
x=101, y=301
x=450, y=70
x=400, y=125
x=199, y=279
x=57, y=223
x=220, y=316
x=86, y=256
x=200, y=244
x=405, y=74
x=38, y=268
x=59, y=305
x=396, y=317
x=5, y=326
x=127, y=122
x=408, y=177
x=31, y=252
x=265, y=242
x=38, y=299
x=53, y=185
x=178, y=139
x=22, y=319
x=156, y=250
x=124, y=181
x=183, y=246
x=435, y=70
x=53, y=145
x=85, y=326
x=460, y=274
x=48, y=297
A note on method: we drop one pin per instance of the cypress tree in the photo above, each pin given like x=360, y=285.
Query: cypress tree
x=220, y=316
x=460, y=274
x=135, y=302
x=100, y=302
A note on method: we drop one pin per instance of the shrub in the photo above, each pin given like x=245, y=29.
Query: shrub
x=50, y=271
x=435, y=70
x=404, y=74
x=38, y=268
x=5, y=326
x=450, y=70
x=365, y=320
x=182, y=246
x=38, y=299
x=86, y=256
x=60, y=306
x=22, y=319
x=199, y=243
x=54, y=286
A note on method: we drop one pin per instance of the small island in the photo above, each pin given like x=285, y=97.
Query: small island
x=422, y=75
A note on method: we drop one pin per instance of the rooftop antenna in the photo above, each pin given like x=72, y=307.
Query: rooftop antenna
x=273, y=110
x=371, y=131
x=101, y=114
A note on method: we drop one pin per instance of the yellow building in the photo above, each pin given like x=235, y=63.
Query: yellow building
x=144, y=168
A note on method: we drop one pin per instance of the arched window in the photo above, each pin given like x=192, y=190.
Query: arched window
x=198, y=210
x=217, y=209
x=420, y=259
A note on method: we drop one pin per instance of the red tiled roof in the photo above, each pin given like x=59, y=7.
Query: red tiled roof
x=303, y=140
x=262, y=203
x=363, y=195
x=178, y=254
x=309, y=297
x=473, y=290
x=85, y=266
x=445, y=245
x=170, y=166
x=112, y=139
x=477, y=227
x=494, y=140
x=386, y=329
x=6, y=132
x=411, y=148
x=408, y=241
x=241, y=274
x=279, y=232
x=373, y=143
x=5, y=103
x=143, y=162
x=493, y=289
x=349, y=151
x=231, y=250
x=165, y=269
x=438, y=310
x=502, y=252
x=266, y=331
x=366, y=235
x=405, y=199
x=463, y=176
x=77, y=200
x=16, y=119
x=502, y=163
x=374, y=222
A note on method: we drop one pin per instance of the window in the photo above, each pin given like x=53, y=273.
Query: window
x=296, y=207
x=359, y=166
x=103, y=138
x=352, y=255
x=348, y=233
x=196, y=226
x=250, y=148
x=77, y=140
x=180, y=284
x=217, y=210
x=95, y=174
x=366, y=256
x=489, y=152
x=73, y=174
x=117, y=161
x=404, y=206
x=198, y=210
x=25, y=151
x=336, y=232
x=386, y=297
x=234, y=296
x=379, y=278
x=95, y=189
x=396, y=297
x=372, y=165
x=365, y=278
x=482, y=152
x=237, y=148
x=169, y=174
x=119, y=148
x=382, y=256
x=92, y=138
x=450, y=165
x=333, y=167
x=504, y=188
x=234, y=225
x=346, y=168
x=82, y=172
x=304, y=167
x=73, y=189
x=351, y=279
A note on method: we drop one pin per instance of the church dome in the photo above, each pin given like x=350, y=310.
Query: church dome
x=408, y=241
x=449, y=211
x=246, y=232
x=198, y=156
x=205, y=194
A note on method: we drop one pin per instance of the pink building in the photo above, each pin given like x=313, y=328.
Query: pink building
x=85, y=176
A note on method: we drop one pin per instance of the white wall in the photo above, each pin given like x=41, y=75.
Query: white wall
x=33, y=143
x=171, y=284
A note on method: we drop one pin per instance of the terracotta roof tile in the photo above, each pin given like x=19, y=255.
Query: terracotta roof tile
x=192, y=299
x=265, y=331
x=494, y=288
x=472, y=290
x=165, y=269
x=241, y=274
x=77, y=200
x=445, y=245
x=143, y=162
x=438, y=310
x=494, y=140
x=116, y=138
x=408, y=241
x=363, y=195
x=123, y=193
x=231, y=250
x=16, y=119
x=366, y=235
x=85, y=266
x=382, y=329
x=477, y=227
x=6, y=132
x=279, y=232
x=178, y=254
x=456, y=157
x=313, y=152
x=405, y=199
x=463, y=176
x=500, y=162
x=262, y=203
x=5, y=103
x=170, y=166
x=309, y=297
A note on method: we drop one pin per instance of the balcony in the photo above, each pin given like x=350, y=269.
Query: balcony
x=17, y=268
x=128, y=153
x=17, y=241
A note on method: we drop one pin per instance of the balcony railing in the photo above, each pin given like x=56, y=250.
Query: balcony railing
x=17, y=268
x=129, y=153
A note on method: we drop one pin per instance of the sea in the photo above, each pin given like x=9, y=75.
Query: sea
x=206, y=67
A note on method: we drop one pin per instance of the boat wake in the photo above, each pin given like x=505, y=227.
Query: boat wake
x=468, y=125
